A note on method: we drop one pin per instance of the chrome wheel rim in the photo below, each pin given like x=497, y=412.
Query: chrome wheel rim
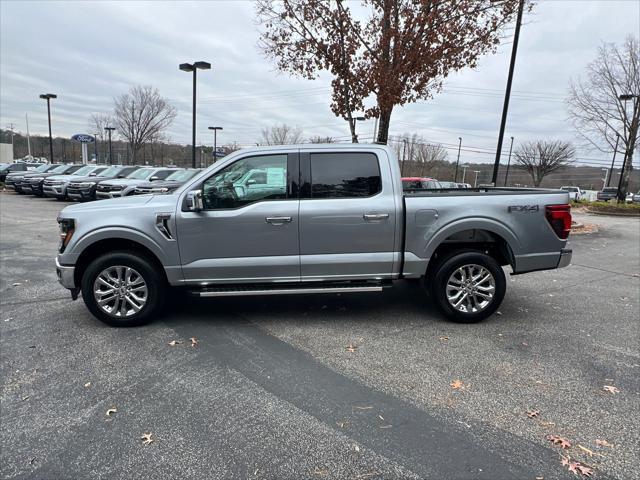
x=471, y=288
x=120, y=291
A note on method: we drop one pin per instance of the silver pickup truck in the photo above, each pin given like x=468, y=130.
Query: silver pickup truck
x=307, y=219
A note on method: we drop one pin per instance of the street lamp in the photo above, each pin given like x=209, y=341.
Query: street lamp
x=475, y=183
x=455, y=179
x=193, y=67
x=506, y=175
x=215, y=142
x=48, y=97
x=109, y=130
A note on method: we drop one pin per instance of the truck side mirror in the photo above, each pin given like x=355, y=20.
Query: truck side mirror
x=194, y=201
x=154, y=178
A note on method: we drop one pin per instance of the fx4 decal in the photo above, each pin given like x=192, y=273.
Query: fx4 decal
x=524, y=208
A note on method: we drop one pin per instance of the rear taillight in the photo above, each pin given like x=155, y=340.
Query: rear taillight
x=559, y=217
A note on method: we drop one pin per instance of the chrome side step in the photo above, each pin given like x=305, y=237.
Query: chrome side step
x=239, y=292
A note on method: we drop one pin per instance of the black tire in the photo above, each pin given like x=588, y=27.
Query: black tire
x=154, y=280
x=442, y=272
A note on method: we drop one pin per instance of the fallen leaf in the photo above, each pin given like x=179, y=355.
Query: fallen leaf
x=576, y=467
x=146, y=438
x=173, y=343
x=87, y=385
x=558, y=440
x=533, y=413
x=194, y=341
x=380, y=417
x=547, y=424
x=355, y=447
x=498, y=312
x=610, y=389
x=321, y=472
x=111, y=410
x=444, y=338
x=603, y=443
x=457, y=385
x=351, y=348
x=586, y=450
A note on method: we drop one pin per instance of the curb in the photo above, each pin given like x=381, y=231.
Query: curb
x=613, y=214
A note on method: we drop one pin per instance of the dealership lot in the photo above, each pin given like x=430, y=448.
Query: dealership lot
x=271, y=390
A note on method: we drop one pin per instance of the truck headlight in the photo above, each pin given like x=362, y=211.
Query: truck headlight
x=159, y=190
x=67, y=227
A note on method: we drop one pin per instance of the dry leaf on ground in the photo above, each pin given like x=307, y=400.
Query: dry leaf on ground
x=457, y=385
x=603, y=443
x=610, y=389
x=111, y=411
x=194, y=341
x=558, y=440
x=533, y=413
x=87, y=385
x=351, y=348
x=146, y=438
x=444, y=338
x=321, y=472
x=576, y=467
x=173, y=343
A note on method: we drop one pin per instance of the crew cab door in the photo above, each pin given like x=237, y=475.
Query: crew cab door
x=248, y=229
x=347, y=216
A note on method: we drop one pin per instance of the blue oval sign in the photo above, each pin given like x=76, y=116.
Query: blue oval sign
x=83, y=138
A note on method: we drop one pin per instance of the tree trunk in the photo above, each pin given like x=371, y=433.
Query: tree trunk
x=628, y=163
x=383, y=126
x=352, y=127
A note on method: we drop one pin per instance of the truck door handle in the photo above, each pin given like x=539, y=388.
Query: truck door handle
x=278, y=220
x=375, y=216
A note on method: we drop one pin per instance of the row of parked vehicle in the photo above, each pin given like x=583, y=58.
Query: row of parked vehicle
x=95, y=182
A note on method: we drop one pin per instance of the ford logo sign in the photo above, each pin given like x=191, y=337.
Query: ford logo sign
x=83, y=138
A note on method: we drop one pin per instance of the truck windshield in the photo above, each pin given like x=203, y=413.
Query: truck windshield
x=84, y=170
x=182, y=175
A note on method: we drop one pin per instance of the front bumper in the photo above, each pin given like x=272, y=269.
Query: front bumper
x=565, y=257
x=80, y=194
x=105, y=195
x=56, y=191
x=24, y=187
x=66, y=275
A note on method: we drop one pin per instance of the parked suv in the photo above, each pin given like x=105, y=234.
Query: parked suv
x=35, y=183
x=7, y=168
x=14, y=180
x=419, y=183
x=606, y=194
x=126, y=186
x=172, y=182
x=55, y=186
x=84, y=189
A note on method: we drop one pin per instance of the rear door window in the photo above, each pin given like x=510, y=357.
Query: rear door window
x=345, y=175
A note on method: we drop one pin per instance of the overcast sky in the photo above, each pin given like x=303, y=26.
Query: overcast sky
x=89, y=52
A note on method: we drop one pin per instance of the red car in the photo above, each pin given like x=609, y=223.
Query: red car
x=419, y=183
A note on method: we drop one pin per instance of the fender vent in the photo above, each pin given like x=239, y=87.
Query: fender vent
x=162, y=224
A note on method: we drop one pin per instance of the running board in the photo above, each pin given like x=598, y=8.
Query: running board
x=238, y=291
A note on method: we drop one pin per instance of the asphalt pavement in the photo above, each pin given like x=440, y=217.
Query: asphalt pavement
x=271, y=391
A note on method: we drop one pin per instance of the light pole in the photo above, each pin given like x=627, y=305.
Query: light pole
x=193, y=67
x=455, y=179
x=355, y=123
x=95, y=147
x=506, y=175
x=109, y=130
x=48, y=97
x=404, y=152
x=505, y=107
x=633, y=132
x=475, y=183
x=215, y=142
x=464, y=171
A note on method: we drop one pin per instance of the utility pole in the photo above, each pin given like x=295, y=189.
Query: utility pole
x=507, y=95
x=11, y=126
x=464, y=171
x=615, y=150
x=404, y=151
x=215, y=142
x=26, y=116
x=109, y=130
x=455, y=179
x=475, y=183
x=95, y=147
x=508, y=163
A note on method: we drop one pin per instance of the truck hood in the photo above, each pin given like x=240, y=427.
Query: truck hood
x=127, y=182
x=167, y=202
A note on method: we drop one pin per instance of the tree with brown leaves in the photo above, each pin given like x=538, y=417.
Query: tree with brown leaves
x=400, y=52
x=541, y=158
x=605, y=106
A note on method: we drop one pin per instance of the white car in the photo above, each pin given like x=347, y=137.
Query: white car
x=575, y=194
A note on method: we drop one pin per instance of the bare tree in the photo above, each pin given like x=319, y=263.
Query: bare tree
x=97, y=123
x=598, y=105
x=319, y=139
x=231, y=147
x=416, y=155
x=540, y=158
x=141, y=116
x=397, y=51
x=281, y=135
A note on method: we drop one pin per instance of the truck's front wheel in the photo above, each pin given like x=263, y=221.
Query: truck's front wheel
x=468, y=287
x=122, y=289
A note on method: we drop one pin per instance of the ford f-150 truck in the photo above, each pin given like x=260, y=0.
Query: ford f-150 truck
x=317, y=219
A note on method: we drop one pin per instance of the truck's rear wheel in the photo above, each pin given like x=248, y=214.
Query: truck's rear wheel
x=122, y=289
x=468, y=287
